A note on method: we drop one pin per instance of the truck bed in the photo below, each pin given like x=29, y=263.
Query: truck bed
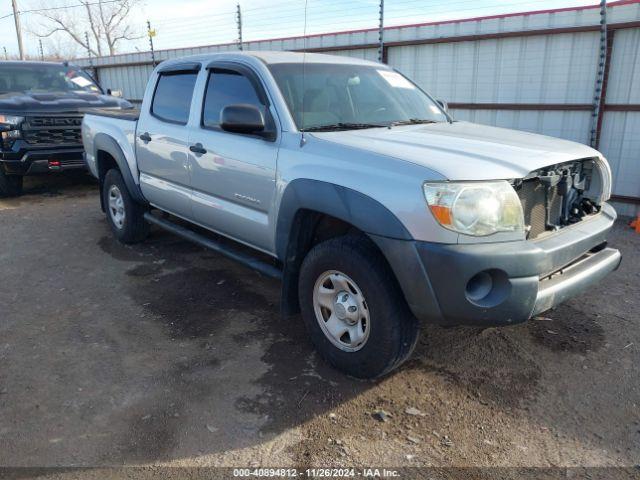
x=117, y=125
x=130, y=114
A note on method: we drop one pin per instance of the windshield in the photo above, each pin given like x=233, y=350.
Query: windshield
x=29, y=77
x=336, y=96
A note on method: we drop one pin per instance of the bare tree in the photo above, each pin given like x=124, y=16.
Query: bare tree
x=58, y=48
x=106, y=21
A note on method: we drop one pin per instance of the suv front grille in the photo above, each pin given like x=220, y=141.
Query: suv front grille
x=53, y=130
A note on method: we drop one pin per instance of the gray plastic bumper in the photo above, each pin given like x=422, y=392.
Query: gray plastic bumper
x=575, y=278
x=526, y=277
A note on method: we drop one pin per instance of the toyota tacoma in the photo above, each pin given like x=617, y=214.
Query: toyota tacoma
x=344, y=179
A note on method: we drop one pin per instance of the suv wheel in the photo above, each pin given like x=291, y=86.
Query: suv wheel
x=125, y=216
x=10, y=185
x=353, y=308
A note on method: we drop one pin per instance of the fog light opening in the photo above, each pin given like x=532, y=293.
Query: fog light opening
x=479, y=287
x=489, y=288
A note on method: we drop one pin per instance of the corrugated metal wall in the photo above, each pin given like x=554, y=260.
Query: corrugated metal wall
x=569, y=125
x=533, y=72
x=534, y=69
x=620, y=141
x=132, y=80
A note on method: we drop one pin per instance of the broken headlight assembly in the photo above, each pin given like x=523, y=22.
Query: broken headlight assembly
x=475, y=208
x=9, y=129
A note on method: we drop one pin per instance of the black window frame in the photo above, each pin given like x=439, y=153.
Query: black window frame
x=169, y=71
x=271, y=130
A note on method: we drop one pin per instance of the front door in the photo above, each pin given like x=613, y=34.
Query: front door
x=233, y=175
x=162, y=143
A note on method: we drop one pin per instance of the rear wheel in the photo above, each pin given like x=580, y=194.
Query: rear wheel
x=125, y=216
x=10, y=185
x=353, y=308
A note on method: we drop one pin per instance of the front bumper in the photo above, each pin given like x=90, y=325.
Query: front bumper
x=36, y=161
x=501, y=283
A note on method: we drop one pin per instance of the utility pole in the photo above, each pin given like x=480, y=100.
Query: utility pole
x=16, y=18
x=41, y=50
x=239, y=20
x=381, y=58
x=151, y=33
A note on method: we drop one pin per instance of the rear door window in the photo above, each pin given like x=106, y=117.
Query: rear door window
x=172, y=98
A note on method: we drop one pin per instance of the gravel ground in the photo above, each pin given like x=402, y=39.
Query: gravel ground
x=167, y=354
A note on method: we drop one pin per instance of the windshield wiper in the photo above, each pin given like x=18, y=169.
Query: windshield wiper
x=411, y=121
x=341, y=126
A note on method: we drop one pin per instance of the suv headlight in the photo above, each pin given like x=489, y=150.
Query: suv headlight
x=9, y=129
x=475, y=208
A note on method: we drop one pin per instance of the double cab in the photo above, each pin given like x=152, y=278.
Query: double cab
x=373, y=206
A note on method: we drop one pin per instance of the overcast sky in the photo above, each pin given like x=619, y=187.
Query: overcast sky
x=205, y=22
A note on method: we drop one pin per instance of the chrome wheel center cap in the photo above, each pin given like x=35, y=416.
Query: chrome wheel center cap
x=346, y=308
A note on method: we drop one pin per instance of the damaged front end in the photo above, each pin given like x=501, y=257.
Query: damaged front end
x=560, y=195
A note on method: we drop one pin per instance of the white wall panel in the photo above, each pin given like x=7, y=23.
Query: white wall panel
x=537, y=69
x=620, y=143
x=131, y=80
x=568, y=125
x=370, y=54
x=624, y=73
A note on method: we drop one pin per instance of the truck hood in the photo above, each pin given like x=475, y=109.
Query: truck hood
x=25, y=103
x=463, y=150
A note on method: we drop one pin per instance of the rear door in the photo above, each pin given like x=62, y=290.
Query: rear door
x=162, y=143
x=233, y=174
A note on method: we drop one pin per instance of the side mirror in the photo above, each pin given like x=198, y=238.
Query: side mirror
x=114, y=93
x=444, y=105
x=242, y=118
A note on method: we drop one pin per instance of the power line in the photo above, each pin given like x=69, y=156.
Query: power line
x=47, y=9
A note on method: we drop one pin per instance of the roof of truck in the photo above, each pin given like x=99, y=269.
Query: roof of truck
x=272, y=57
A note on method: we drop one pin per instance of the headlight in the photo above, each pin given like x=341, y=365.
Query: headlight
x=475, y=208
x=9, y=129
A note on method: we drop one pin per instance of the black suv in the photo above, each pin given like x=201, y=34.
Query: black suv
x=41, y=108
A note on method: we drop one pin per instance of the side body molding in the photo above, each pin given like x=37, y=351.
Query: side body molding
x=105, y=143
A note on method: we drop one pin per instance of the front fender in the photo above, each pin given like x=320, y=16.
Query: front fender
x=294, y=233
x=350, y=206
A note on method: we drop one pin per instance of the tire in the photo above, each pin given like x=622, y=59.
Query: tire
x=10, y=185
x=359, y=270
x=124, y=215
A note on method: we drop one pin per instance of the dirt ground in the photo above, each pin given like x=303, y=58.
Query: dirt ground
x=167, y=354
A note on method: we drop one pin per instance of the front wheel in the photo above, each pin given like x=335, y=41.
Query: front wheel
x=125, y=216
x=353, y=308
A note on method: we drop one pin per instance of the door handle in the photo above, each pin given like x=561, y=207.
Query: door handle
x=198, y=149
x=145, y=137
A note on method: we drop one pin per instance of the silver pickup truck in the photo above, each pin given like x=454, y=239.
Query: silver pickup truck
x=375, y=208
